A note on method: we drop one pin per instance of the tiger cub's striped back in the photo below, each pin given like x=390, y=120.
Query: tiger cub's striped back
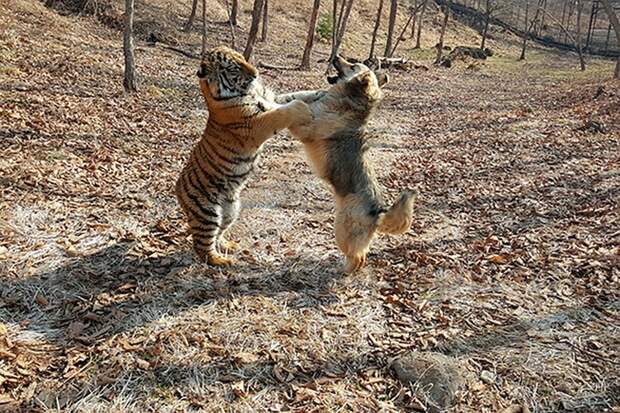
x=242, y=116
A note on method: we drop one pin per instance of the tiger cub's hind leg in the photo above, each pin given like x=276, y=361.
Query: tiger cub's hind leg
x=230, y=213
x=205, y=243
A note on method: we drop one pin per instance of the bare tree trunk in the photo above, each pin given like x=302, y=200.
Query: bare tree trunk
x=305, y=60
x=402, y=34
x=541, y=27
x=415, y=15
x=192, y=16
x=607, y=38
x=391, y=24
x=417, y=42
x=528, y=30
x=375, y=30
x=234, y=10
x=341, y=27
x=582, y=62
x=335, y=25
x=571, y=10
x=487, y=17
x=129, y=82
x=233, y=36
x=563, y=17
x=263, y=36
x=204, y=29
x=256, y=15
x=525, y=32
x=591, y=24
x=443, y=31
x=613, y=19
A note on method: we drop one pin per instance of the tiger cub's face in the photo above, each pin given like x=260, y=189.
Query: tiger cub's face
x=225, y=74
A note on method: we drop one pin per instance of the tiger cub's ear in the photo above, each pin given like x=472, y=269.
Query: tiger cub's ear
x=202, y=71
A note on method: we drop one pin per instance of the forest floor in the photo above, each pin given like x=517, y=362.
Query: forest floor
x=511, y=268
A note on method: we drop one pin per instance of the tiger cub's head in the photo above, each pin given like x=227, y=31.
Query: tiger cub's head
x=225, y=74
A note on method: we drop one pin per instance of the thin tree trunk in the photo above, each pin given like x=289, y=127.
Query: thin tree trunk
x=256, y=16
x=341, y=27
x=204, y=29
x=613, y=19
x=582, y=62
x=607, y=38
x=334, y=27
x=591, y=24
x=402, y=34
x=192, y=16
x=233, y=36
x=415, y=16
x=443, y=32
x=391, y=24
x=305, y=60
x=417, y=42
x=486, y=24
x=263, y=36
x=571, y=10
x=129, y=82
x=375, y=30
x=541, y=27
x=563, y=17
x=234, y=10
x=528, y=31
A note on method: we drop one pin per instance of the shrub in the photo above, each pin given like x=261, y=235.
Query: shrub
x=325, y=27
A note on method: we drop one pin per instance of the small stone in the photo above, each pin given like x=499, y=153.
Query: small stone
x=435, y=376
x=487, y=377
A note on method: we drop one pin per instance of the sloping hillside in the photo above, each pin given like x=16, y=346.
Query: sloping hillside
x=511, y=269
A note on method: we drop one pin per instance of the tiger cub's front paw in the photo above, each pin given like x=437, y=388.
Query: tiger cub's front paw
x=229, y=245
x=213, y=258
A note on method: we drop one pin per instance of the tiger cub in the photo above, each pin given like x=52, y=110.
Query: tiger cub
x=242, y=116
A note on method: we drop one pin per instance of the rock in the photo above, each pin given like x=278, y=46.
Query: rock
x=434, y=377
x=487, y=377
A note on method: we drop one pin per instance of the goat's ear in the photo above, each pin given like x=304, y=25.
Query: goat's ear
x=382, y=78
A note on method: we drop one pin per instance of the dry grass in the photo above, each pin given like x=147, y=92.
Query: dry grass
x=512, y=266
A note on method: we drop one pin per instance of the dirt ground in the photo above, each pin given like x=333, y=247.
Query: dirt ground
x=511, y=268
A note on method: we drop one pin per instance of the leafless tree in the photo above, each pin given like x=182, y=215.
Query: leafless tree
x=376, y=30
x=233, y=36
x=391, y=27
x=192, y=16
x=491, y=7
x=263, y=36
x=234, y=10
x=578, y=45
x=417, y=42
x=129, y=82
x=402, y=33
x=204, y=29
x=443, y=31
x=415, y=15
x=305, y=60
x=613, y=19
x=340, y=25
x=256, y=16
x=528, y=29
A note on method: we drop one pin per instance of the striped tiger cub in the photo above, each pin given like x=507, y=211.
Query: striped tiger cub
x=243, y=114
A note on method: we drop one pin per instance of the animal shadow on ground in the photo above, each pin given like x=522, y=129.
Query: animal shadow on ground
x=116, y=289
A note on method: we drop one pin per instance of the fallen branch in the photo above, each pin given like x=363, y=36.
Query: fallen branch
x=276, y=67
x=180, y=51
